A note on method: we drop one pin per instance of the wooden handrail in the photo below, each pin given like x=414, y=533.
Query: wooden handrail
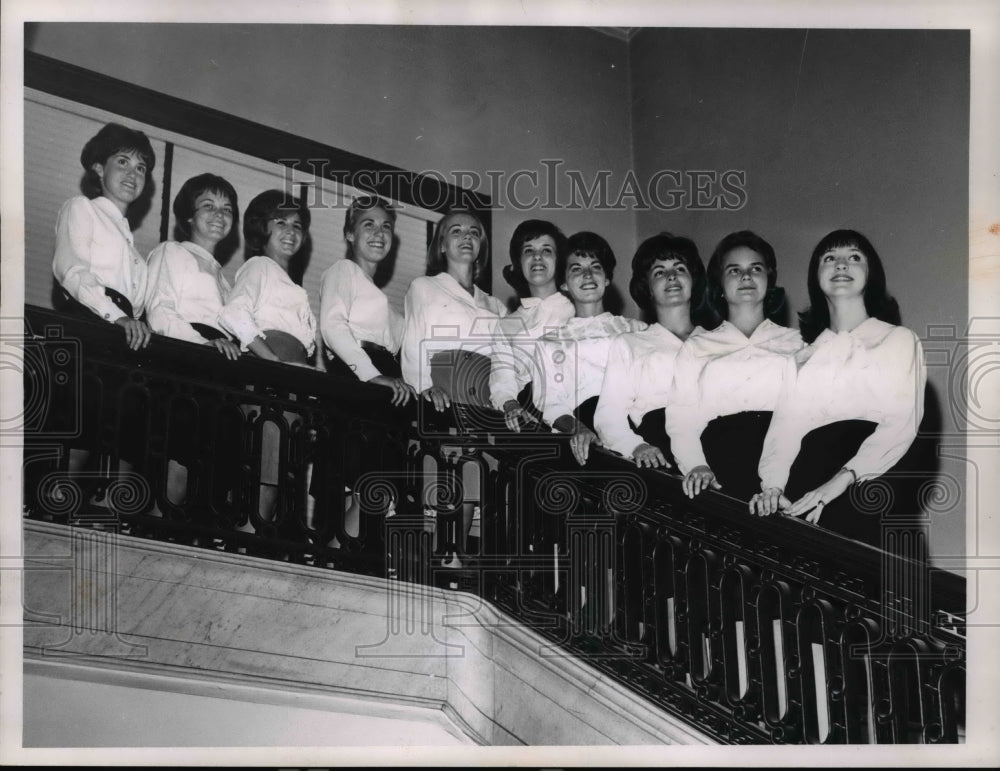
x=754, y=630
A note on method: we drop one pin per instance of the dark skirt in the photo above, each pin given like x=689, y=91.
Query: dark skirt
x=463, y=375
x=183, y=425
x=131, y=442
x=185, y=422
x=653, y=430
x=385, y=362
x=824, y=451
x=732, y=446
x=527, y=401
x=584, y=411
x=209, y=332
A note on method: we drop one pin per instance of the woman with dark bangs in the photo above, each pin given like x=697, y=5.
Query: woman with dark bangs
x=535, y=249
x=96, y=264
x=268, y=312
x=668, y=280
x=100, y=273
x=727, y=380
x=186, y=286
x=185, y=296
x=857, y=401
x=576, y=354
x=361, y=330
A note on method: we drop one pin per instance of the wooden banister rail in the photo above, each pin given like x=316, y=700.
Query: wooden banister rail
x=753, y=630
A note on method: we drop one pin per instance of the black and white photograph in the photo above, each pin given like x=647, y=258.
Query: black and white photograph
x=522, y=383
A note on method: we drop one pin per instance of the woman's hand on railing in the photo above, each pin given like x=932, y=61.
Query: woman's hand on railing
x=437, y=397
x=514, y=414
x=137, y=334
x=259, y=347
x=812, y=503
x=580, y=443
x=649, y=456
x=227, y=348
x=699, y=478
x=768, y=502
x=401, y=392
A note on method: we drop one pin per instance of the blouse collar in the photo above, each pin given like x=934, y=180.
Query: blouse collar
x=474, y=298
x=661, y=331
x=108, y=206
x=727, y=338
x=201, y=253
x=871, y=330
x=105, y=205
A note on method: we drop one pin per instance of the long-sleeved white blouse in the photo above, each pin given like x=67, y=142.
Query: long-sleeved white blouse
x=724, y=372
x=874, y=372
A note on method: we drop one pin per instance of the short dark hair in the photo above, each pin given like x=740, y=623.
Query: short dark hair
x=591, y=245
x=358, y=206
x=529, y=230
x=666, y=246
x=112, y=138
x=186, y=197
x=438, y=263
x=878, y=302
x=774, y=299
x=262, y=210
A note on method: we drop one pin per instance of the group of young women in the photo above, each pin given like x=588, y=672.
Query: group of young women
x=784, y=419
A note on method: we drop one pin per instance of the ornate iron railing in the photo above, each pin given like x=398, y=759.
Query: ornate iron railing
x=752, y=630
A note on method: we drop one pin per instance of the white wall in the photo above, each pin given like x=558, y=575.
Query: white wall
x=72, y=706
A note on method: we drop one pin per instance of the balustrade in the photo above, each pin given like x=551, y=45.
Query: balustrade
x=753, y=630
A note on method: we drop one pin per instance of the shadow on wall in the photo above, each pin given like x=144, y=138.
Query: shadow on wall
x=613, y=302
x=920, y=489
x=300, y=262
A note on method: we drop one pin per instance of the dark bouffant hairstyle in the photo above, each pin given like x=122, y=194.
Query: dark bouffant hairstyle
x=438, y=263
x=590, y=244
x=529, y=230
x=188, y=194
x=113, y=138
x=774, y=299
x=878, y=302
x=666, y=246
x=262, y=209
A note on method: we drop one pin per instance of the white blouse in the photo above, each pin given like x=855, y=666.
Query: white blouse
x=186, y=286
x=439, y=315
x=532, y=319
x=353, y=310
x=95, y=249
x=574, y=358
x=638, y=379
x=723, y=372
x=264, y=297
x=874, y=372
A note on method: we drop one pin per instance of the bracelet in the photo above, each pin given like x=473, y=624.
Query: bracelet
x=854, y=476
